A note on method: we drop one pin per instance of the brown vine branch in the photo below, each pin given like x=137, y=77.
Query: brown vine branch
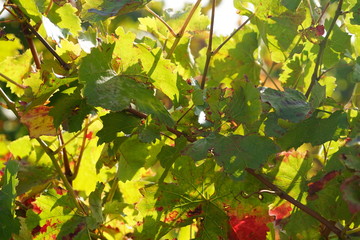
x=82, y=149
x=180, y=34
x=316, y=74
x=27, y=27
x=161, y=20
x=12, y=81
x=296, y=203
x=68, y=172
x=33, y=50
x=209, y=49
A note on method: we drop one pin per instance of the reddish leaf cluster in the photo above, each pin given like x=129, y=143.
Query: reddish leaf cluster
x=315, y=187
x=249, y=227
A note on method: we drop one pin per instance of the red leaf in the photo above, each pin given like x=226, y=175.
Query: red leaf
x=282, y=211
x=351, y=193
x=320, y=184
x=249, y=227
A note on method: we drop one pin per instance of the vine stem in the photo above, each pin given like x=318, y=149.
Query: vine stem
x=296, y=203
x=231, y=35
x=11, y=105
x=27, y=27
x=161, y=20
x=209, y=49
x=180, y=34
x=66, y=183
x=316, y=74
x=12, y=81
x=82, y=149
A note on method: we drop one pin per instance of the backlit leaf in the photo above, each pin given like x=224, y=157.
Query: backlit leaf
x=9, y=223
x=38, y=122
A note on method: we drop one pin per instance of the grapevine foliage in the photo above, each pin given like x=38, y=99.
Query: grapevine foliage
x=157, y=128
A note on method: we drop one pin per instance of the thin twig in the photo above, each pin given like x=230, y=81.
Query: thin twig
x=82, y=149
x=68, y=172
x=209, y=49
x=161, y=20
x=231, y=35
x=182, y=30
x=75, y=136
x=66, y=183
x=187, y=111
x=316, y=74
x=12, y=81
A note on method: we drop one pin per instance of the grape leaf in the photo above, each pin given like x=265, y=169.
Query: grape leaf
x=245, y=106
x=96, y=206
x=290, y=104
x=314, y=130
x=291, y=174
x=114, y=123
x=291, y=4
x=57, y=215
x=234, y=153
x=30, y=8
x=356, y=14
x=38, y=122
x=350, y=190
x=133, y=157
x=9, y=223
x=65, y=18
x=106, y=89
x=70, y=109
x=110, y=8
x=10, y=67
x=236, y=62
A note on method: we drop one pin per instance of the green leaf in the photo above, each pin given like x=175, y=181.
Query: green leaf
x=350, y=156
x=356, y=14
x=262, y=9
x=272, y=127
x=245, y=105
x=160, y=70
x=96, y=205
x=70, y=109
x=9, y=223
x=236, y=61
x=351, y=193
x=314, y=130
x=105, y=89
x=291, y=174
x=30, y=8
x=57, y=217
x=114, y=123
x=291, y=4
x=318, y=95
x=132, y=159
x=108, y=8
x=65, y=17
x=16, y=68
x=234, y=153
x=297, y=71
x=290, y=104
x=215, y=223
